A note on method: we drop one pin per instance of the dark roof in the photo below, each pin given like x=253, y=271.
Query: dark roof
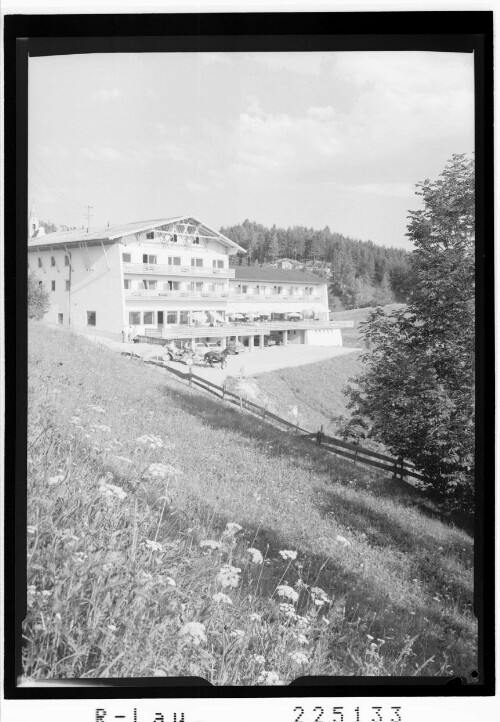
x=269, y=273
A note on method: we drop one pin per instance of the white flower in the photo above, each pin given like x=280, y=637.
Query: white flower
x=232, y=528
x=288, y=554
x=302, y=622
x=194, y=631
x=269, y=678
x=254, y=617
x=302, y=639
x=258, y=658
x=256, y=555
x=111, y=490
x=228, y=576
x=288, y=610
x=299, y=658
x=150, y=441
x=287, y=592
x=237, y=633
x=343, y=540
x=161, y=471
x=210, y=544
x=55, y=479
x=153, y=545
x=320, y=596
x=221, y=598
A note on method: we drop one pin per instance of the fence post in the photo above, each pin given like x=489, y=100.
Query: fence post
x=401, y=464
x=241, y=403
x=190, y=376
x=320, y=435
x=224, y=390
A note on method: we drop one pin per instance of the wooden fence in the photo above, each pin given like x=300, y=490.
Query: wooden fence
x=399, y=467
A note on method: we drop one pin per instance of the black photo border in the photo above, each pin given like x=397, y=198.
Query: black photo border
x=35, y=35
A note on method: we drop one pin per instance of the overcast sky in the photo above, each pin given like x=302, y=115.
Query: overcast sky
x=316, y=139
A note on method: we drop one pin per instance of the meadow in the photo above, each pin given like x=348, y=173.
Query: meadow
x=170, y=535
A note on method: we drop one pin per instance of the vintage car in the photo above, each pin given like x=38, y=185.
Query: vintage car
x=235, y=347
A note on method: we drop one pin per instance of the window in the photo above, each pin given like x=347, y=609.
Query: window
x=257, y=290
x=196, y=241
x=174, y=238
x=68, y=286
x=52, y=261
x=66, y=260
x=174, y=260
x=151, y=285
x=39, y=263
x=91, y=318
x=127, y=257
x=197, y=262
x=127, y=284
x=150, y=235
x=52, y=285
x=134, y=318
x=149, y=318
x=196, y=286
x=218, y=264
x=244, y=289
x=60, y=318
x=171, y=316
x=148, y=259
x=184, y=317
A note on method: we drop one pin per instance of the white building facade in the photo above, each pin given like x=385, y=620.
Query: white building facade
x=171, y=278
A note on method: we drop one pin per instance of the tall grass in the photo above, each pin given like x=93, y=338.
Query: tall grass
x=144, y=499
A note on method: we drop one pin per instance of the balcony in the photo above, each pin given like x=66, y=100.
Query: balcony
x=150, y=293
x=261, y=297
x=167, y=270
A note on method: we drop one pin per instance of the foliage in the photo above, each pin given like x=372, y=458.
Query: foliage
x=130, y=563
x=38, y=298
x=418, y=390
x=361, y=273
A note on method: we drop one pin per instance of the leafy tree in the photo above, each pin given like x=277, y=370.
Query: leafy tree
x=417, y=392
x=273, y=248
x=38, y=298
x=48, y=226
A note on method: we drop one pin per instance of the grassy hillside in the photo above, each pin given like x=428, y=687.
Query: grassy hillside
x=351, y=336
x=137, y=565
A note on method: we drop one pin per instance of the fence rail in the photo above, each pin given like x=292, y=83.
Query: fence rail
x=345, y=449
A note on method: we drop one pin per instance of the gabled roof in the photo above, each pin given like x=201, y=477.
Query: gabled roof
x=269, y=273
x=115, y=232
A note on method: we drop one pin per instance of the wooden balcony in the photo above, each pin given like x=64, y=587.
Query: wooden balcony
x=167, y=270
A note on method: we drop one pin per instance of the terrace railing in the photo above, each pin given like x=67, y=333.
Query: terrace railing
x=173, y=270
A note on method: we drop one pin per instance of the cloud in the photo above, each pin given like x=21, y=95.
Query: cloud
x=104, y=152
x=106, y=94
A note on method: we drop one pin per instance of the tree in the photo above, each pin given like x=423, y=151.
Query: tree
x=38, y=298
x=417, y=392
x=273, y=248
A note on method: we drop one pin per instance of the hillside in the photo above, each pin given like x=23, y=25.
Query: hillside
x=144, y=498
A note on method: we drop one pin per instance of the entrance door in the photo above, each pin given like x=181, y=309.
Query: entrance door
x=160, y=319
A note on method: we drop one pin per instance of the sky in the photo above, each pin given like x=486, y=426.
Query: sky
x=336, y=139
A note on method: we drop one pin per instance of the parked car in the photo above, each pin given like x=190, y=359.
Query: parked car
x=235, y=347
x=204, y=346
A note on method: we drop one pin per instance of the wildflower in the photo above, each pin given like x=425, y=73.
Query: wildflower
x=299, y=658
x=258, y=659
x=288, y=554
x=210, y=544
x=302, y=622
x=269, y=678
x=150, y=441
x=299, y=584
x=153, y=545
x=237, y=634
x=55, y=479
x=288, y=610
x=369, y=636
x=256, y=555
x=302, y=639
x=194, y=631
x=161, y=471
x=232, y=528
x=320, y=596
x=287, y=592
x=110, y=490
x=254, y=617
x=228, y=576
x=343, y=540
x=221, y=598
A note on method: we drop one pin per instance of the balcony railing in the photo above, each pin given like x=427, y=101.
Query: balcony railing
x=249, y=297
x=152, y=293
x=170, y=270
